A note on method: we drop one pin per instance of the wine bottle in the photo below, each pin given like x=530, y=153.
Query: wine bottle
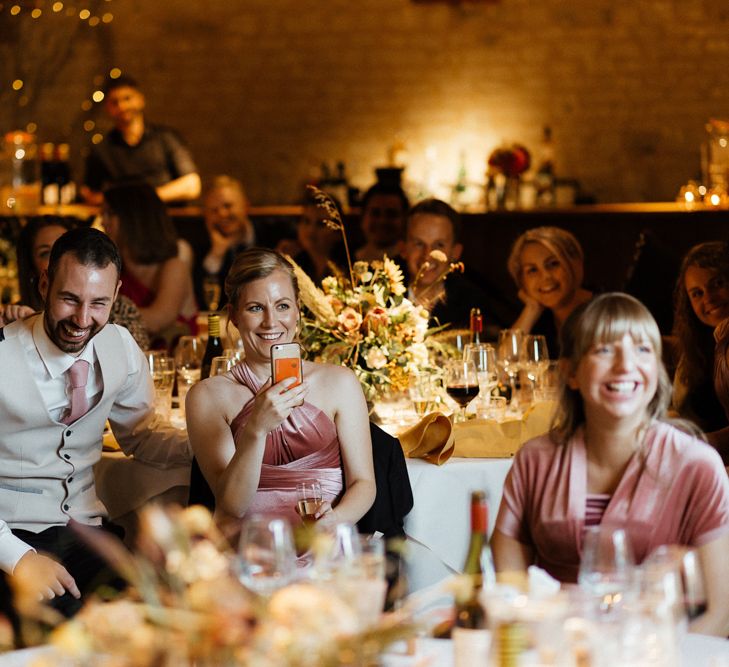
x=49, y=187
x=476, y=325
x=66, y=187
x=470, y=639
x=214, y=348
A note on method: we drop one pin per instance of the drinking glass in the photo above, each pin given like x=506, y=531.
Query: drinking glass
x=211, y=292
x=188, y=362
x=606, y=569
x=162, y=369
x=509, y=352
x=267, y=555
x=461, y=382
x=693, y=585
x=422, y=392
x=483, y=356
x=308, y=500
x=661, y=582
x=535, y=358
x=221, y=365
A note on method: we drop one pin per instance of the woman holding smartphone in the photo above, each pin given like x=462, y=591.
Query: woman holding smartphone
x=255, y=440
x=612, y=458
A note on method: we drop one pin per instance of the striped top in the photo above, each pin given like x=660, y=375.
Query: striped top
x=596, y=503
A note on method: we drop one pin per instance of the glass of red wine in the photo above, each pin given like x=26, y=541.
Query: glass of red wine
x=461, y=383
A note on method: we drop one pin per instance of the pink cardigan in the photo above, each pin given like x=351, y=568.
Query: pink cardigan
x=674, y=491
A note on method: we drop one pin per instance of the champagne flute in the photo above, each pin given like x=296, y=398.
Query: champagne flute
x=188, y=363
x=267, y=555
x=535, y=358
x=509, y=351
x=606, y=568
x=461, y=381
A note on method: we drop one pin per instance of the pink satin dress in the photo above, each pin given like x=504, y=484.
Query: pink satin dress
x=303, y=447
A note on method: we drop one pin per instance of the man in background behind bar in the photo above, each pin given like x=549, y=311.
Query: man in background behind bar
x=138, y=151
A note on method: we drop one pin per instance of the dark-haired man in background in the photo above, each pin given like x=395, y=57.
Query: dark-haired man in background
x=66, y=372
x=137, y=151
x=434, y=226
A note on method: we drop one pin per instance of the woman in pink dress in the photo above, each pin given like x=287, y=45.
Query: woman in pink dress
x=612, y=458
x=254, y=441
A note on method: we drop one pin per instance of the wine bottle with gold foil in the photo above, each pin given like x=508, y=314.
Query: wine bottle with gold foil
x=214, y=348
x=476, y=325
x=470, y=638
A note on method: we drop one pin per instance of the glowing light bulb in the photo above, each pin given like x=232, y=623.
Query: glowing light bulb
x=98, y=96
x=17, y=84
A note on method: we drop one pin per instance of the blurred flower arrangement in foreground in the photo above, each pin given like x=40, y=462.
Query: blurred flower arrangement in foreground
x=185, y=606
x=364, y=320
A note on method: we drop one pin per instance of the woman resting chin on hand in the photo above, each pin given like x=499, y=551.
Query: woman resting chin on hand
x=255, y=441
x=612, y=450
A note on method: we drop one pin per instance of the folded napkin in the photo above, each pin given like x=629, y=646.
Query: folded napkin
x=435, y=439
x=430, y=439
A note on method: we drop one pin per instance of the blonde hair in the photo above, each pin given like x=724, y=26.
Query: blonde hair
x=254, y=264
x=558, y=241
x=605, y=319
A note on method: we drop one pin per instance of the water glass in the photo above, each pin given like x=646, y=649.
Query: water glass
x=693, y=585
x=551, y=383
x=494, y=410
x=607, y=566
x=267, y=555
x=162, y=369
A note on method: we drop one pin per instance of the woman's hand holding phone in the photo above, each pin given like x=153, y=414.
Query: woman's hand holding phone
x=275, y=402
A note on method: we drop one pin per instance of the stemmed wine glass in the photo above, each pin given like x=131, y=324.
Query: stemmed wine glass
x=509, y=351
x=535, y=358
x=188, y=363
x=267, y=554
x=607, y=566
x=461, y=382
x=483, y=356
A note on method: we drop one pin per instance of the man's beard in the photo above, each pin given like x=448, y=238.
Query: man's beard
x=60, y=334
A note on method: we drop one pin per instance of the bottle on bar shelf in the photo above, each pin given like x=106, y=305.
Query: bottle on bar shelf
x=470, y=638
x=66, y=186
x=214, y=347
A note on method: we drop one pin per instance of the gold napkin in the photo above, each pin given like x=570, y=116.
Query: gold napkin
x=430, y=439
x=482, y=438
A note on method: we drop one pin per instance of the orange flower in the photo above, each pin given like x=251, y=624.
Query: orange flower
x=376, y=319
x=349, y=320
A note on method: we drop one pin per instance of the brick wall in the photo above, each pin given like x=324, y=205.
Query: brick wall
x=268, y=89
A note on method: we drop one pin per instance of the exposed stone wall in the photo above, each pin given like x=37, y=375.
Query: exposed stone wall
x=268, y=89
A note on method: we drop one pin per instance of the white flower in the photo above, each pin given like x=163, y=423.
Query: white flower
x=329, y=284
x=419, y=355
x=376, y=358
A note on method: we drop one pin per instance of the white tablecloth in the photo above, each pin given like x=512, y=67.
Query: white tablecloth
x=696, y=651
x=438, y=526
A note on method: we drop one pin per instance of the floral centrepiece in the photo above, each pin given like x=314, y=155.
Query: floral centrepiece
x=186, y=606
x=370, y=326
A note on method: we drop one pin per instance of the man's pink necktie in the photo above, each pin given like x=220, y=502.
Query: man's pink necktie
x=78, y=374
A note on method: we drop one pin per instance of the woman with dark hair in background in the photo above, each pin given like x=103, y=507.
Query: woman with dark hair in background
x=701, y=303
x=157, y=273
x=33, y=251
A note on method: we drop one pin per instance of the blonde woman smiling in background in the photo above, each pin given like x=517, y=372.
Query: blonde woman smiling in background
x=546, y=264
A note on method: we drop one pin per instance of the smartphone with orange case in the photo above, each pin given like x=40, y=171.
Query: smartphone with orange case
x=286, y=363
